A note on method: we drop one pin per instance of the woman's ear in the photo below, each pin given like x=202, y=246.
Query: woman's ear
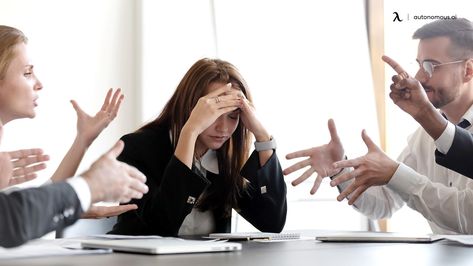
x=468, y=71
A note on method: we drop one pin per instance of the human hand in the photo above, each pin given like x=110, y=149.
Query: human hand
x=89, y=127
x=320, y=159
x=20, y=166
x=249, y=119
x=407, y=92
x=98, y=212
x=375, y=168
x=25, y=164
x=212, y=106
x=112, y=180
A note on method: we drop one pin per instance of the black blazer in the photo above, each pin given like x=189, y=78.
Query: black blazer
x=459, y=157
x=172, y=185
x=30, y=213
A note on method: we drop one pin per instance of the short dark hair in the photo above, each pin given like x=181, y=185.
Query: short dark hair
x=459, y=31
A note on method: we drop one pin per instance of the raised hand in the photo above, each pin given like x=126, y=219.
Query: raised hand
x=98, y=212
x=89, y=127
x=410, y=96
x=373, y=169
x=25, y=165
x=212, y=106
x=112, y=180
x=249, y=119
x=320, y=159
x=407, y=92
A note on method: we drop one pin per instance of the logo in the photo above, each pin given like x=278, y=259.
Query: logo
x=396, y=17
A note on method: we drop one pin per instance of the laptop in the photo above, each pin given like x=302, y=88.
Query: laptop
x=165, y=245
x=378, y=237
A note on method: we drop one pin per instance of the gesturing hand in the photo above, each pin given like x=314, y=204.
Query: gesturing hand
x=20, y=166
x=25, y=164
x=89, y=127
x=112, y=180
x=373, y=169
x=407, y=92
x=320, y=159
x=97, y=212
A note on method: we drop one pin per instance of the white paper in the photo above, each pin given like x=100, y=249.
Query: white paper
x=45, y=248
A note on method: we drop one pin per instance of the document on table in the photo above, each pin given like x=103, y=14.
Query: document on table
x=256, y=236
x=45, y=248
x=466, y=240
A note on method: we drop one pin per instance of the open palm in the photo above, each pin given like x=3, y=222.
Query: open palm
x=89, y=127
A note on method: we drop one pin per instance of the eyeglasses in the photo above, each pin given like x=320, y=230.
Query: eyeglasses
x=429, y=66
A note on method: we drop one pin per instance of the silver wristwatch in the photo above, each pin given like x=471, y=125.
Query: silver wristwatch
x=266, y=145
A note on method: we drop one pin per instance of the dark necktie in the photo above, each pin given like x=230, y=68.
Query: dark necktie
x=464, y=124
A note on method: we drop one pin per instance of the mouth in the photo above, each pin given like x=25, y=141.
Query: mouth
x=219, y=138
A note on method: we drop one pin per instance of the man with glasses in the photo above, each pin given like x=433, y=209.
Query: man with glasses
x=454, y=142
x=377, y=185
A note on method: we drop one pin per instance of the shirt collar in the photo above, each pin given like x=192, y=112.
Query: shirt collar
x=209, y=161
x=469, y=115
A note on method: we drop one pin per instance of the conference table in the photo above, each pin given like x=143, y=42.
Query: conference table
x=295, y=252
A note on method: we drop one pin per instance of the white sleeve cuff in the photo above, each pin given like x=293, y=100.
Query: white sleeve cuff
x=444, y=142
x=405, y=181
x=82, y=190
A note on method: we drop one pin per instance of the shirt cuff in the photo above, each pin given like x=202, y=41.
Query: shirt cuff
x=82, y=190
x=444, y=142
x=405, y=181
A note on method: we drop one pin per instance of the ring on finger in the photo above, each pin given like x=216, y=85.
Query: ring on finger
x=217, y=99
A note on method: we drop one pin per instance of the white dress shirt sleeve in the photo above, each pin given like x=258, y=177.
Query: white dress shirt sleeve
x=447, y=207
x=444, y=142
x=82, y=190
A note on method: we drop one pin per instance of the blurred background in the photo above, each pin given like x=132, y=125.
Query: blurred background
x=305, y=62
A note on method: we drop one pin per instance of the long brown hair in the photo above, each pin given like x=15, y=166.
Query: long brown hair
x=9, y=38
x=233, y=153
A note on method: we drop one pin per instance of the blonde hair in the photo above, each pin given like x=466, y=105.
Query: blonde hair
x=9, y=38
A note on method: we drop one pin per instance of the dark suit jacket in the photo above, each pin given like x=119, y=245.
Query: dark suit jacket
x=171, y=184
x=30, y=213
x=459, y=157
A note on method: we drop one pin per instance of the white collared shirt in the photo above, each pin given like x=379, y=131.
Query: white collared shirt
x=198, y=222
x=442, y=196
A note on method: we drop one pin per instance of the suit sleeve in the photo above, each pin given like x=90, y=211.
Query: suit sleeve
x=263, y=203
x=31, y=213
x=457, y=156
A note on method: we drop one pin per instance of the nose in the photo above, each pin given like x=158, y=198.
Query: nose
x=38, y=85
x=421, y=75
x=221, y=125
